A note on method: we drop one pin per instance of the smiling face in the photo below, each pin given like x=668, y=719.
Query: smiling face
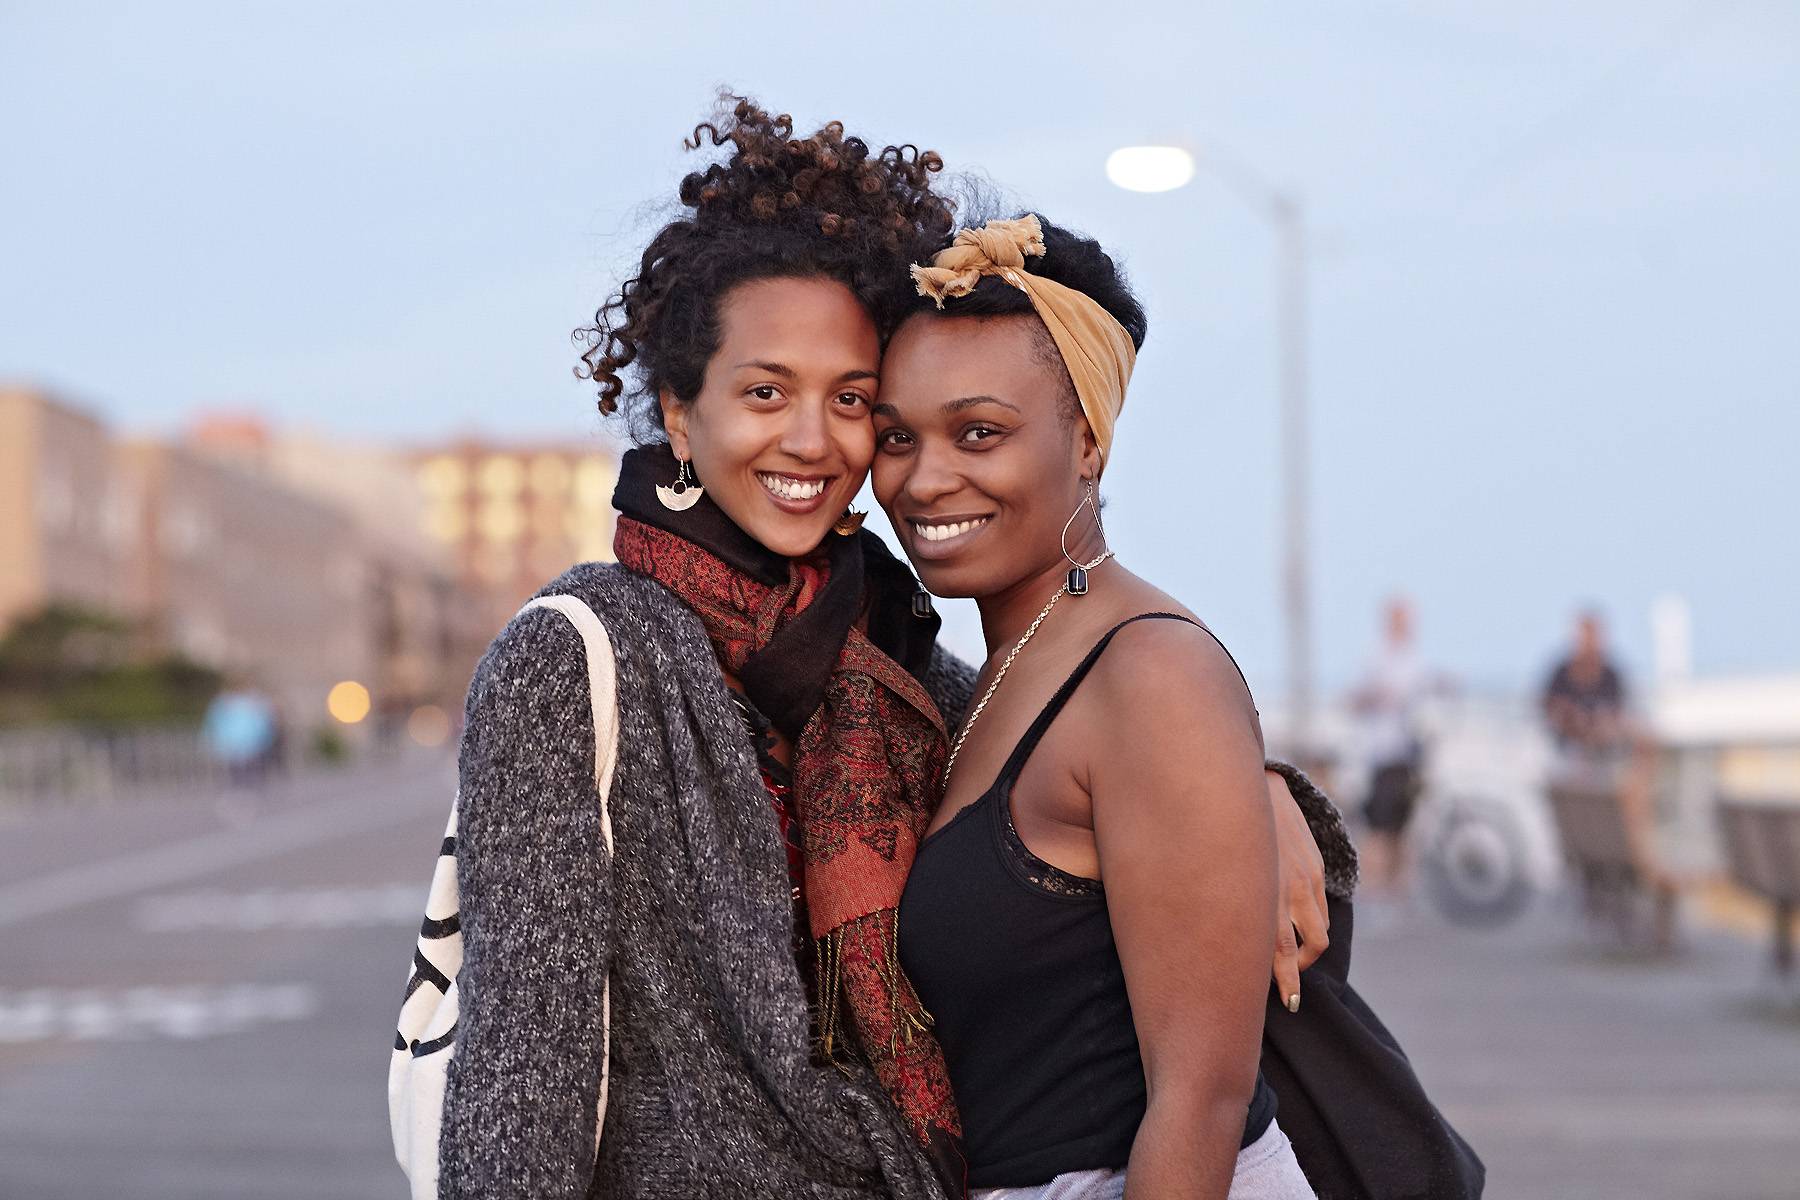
x=779, y=435
x=978, y=460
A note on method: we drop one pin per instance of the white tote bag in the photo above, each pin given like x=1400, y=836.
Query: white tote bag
x=427, y=1029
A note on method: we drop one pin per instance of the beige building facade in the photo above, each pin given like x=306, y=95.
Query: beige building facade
x=511, y=518
x=257, y=580
x=67, y=523
x=291, y=564
x=458, y=535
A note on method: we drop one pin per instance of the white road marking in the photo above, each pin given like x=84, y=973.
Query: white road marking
x=282, y=908
x=205, y=855
x=135, y=1013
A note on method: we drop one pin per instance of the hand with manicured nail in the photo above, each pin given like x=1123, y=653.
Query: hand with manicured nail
x=1302, y=926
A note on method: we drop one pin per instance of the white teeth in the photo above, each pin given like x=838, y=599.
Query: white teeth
x=943, y=533
x=791, y=489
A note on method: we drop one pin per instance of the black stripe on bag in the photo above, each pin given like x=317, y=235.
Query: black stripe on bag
x=441, y=929
x=424, y=972
x=421, y=1049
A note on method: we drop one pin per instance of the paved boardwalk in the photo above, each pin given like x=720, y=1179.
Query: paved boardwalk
x=1584, y=1073
x=196, y=1003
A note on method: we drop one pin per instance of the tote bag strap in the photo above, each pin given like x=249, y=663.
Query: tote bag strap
x=603, y=692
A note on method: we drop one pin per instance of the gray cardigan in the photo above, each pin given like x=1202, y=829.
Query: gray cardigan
x=713, y=1090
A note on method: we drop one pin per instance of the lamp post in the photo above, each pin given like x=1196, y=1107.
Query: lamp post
x=1165, y=168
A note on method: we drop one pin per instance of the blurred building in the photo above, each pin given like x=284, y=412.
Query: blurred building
x=258, y=580
x=456, y=537
x=67, y=527
x=422, y=636
x=289, y=561
x=514, y=517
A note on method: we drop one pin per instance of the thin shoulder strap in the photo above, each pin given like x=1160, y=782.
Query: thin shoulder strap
x=603, y=694
x=1029, y=742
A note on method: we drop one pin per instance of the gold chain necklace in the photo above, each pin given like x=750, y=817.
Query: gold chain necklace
x=1005, y=666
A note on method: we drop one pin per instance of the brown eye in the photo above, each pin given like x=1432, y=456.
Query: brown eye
x=765, y=392
x=852, y=399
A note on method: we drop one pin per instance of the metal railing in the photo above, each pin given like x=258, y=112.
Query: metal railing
x=57, y=765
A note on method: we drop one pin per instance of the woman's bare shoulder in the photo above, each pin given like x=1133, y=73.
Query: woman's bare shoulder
x=1166, y=677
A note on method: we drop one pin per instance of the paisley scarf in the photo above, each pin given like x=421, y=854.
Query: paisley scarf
x=828, y=649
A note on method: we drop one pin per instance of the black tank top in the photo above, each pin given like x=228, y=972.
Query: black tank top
x=1015, y=960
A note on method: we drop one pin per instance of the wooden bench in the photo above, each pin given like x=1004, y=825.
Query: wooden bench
x=1762, y=852
x=1614, y=876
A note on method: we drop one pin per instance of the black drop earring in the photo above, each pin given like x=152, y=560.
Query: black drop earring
x=1077, y=584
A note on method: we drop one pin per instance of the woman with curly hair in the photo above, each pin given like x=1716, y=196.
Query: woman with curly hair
x=783, y=727
x=779, y=739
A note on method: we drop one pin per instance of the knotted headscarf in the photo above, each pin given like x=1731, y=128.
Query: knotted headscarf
x=1094, y=346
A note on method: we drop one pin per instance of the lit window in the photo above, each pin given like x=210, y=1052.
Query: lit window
x=502, y=476
x=447, y=522
x=500, y=521
x=594, y=482
x=442, y=477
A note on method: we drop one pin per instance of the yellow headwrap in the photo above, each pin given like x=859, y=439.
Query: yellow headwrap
x=1093, y=345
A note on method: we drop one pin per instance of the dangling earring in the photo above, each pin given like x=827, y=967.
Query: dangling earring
x=922, y=604
x=849, y=523
x=685, y=493
x=1078, y=571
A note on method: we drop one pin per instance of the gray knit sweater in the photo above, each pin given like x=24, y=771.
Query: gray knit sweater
x=713, y=1089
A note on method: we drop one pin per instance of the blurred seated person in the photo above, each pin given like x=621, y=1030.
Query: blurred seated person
x=1584, y=701
x=1599, y=744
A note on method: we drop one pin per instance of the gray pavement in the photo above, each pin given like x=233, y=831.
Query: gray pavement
x=197, y=1001
x=1582, y=1071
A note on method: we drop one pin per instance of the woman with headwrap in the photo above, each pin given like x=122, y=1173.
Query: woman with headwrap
x=1090, y=917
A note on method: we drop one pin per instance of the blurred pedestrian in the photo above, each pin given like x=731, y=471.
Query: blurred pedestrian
x=1386, y=704
x=240, y=731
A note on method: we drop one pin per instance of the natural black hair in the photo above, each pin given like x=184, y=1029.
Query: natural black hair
x=776, y=206
x=1071, y=259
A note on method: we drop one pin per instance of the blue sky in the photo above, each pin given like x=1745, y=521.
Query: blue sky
x=1553, y=350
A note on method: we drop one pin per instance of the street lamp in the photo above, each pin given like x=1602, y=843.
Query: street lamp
x=1163, y=169
x=1150, y=168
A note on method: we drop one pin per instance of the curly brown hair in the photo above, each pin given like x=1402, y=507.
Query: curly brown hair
x=778, y=206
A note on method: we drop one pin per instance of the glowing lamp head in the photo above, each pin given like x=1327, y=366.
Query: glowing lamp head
x=1150, y=168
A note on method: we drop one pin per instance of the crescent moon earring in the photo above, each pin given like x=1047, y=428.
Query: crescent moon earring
x=1077, y=584
x=684, y=493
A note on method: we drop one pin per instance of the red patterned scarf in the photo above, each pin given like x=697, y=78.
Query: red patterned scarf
x=865, y=764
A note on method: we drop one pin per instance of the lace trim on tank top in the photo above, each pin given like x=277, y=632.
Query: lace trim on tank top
x=1035, y=870
x=1029, y=866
